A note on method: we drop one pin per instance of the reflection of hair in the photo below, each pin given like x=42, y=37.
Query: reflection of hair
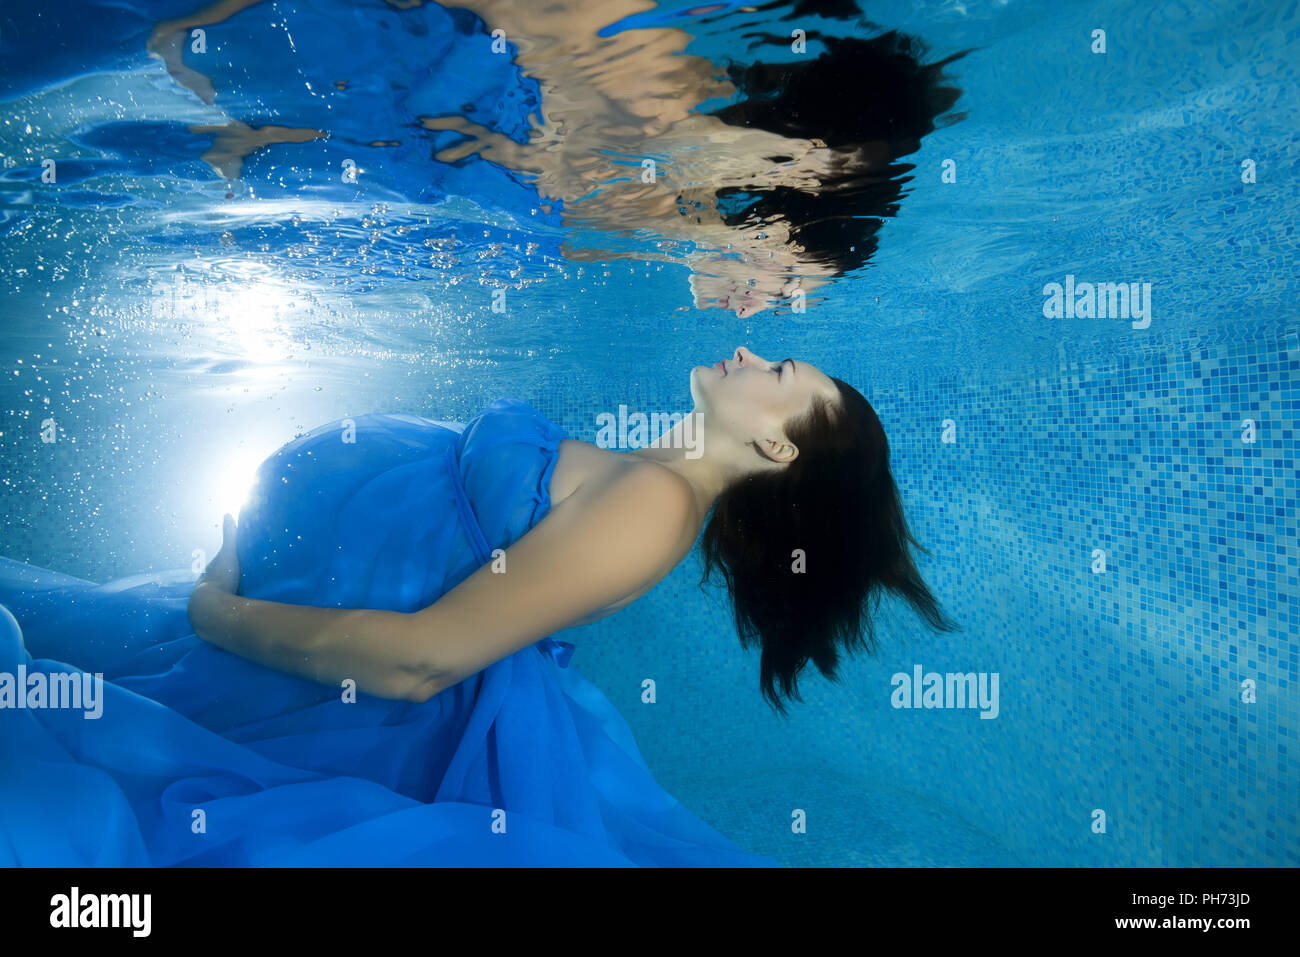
x=871, y=101
x=837, y=504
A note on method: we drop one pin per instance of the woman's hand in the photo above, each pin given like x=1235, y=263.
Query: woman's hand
x=222, y=572
x=331, y=645
x=218, y=583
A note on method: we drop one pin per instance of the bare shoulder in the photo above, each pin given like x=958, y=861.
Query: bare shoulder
x=642, y=499
x=634, y=522
x=600, y=474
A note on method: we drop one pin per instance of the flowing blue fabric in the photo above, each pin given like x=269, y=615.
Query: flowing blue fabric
x=202, y=758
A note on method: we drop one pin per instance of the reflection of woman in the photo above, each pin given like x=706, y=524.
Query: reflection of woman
x=776, y=192
x=424, y=568
x=781, y=189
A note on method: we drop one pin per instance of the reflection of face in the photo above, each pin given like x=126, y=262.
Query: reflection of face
x=752, y=283
x=751, y=398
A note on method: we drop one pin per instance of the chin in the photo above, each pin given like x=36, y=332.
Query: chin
x=698, y=388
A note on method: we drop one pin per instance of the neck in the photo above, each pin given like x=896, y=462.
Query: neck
x=708, y=468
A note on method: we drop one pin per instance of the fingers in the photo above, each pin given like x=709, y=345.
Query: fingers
x=228, y=532
x=222, y=571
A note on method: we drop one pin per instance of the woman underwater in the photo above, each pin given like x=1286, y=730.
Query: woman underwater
x=364, y=675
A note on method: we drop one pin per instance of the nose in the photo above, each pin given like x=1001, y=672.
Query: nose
x=750, y=302
x=744, y=357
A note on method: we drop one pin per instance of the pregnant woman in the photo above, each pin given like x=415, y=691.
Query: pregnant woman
x=364, y=674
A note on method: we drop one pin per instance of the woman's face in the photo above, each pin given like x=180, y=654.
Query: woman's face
x=754, y=281
x=750, y=398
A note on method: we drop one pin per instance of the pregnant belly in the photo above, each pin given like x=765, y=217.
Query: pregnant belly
x=356, y=519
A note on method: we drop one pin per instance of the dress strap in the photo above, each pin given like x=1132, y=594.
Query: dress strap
x=560, y=651
x=467, y=517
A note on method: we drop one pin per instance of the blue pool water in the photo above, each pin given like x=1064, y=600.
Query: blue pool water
x=176, y=325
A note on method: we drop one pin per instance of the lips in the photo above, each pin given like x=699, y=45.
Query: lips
x=723, y=366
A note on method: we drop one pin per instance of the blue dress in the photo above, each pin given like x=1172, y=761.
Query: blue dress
x=201, y=758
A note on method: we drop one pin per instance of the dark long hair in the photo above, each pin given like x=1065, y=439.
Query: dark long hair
x=871, y=101
x=807, y=550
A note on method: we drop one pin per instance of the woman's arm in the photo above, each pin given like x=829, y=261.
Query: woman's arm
x=323, y=644
x=594, y=549
x=599, y=547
